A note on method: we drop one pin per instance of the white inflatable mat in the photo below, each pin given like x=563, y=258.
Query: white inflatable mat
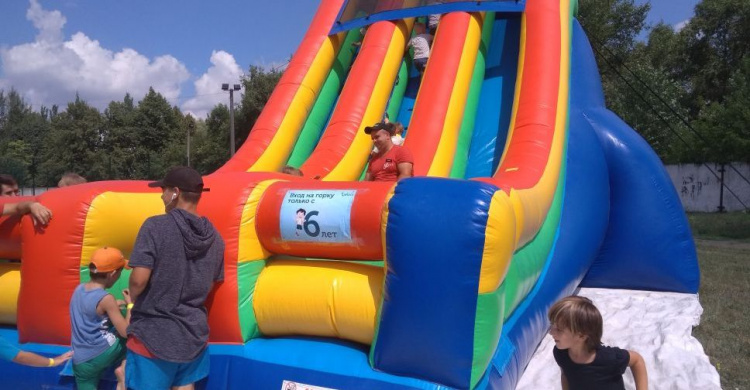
x=657, y=325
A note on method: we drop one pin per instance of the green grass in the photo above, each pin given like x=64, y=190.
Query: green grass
x=734, y=226
x=723, y=243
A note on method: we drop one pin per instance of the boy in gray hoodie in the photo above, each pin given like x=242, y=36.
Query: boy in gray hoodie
x=176, y=260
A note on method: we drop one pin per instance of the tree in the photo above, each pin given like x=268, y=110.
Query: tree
x=21, y=137
x=630, y=70
x=726, y=125
x=258, y=85
x=713, y=45
x=120, y=139
x=74, y=144
x=212, y=140
x=614, y=24
x=155, y=123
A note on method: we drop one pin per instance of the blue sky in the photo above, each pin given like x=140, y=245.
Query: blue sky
x=185, y=49
x=672, y=12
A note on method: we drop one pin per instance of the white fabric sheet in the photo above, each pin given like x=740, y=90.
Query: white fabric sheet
x=657, y=325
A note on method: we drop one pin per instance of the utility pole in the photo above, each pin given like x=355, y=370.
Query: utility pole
x=721, y=189
x=235, y=87
x=189, y=130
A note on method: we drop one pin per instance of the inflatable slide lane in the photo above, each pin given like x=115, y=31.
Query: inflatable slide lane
x=526, y=187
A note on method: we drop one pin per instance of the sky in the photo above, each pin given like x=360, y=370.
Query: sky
x=101, y=49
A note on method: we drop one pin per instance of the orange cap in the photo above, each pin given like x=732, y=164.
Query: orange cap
x=108, y=259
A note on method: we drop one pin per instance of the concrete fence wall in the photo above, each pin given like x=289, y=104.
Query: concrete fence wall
x=700, y=190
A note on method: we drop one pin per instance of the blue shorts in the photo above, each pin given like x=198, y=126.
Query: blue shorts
x=420, y=63
x=145, y=373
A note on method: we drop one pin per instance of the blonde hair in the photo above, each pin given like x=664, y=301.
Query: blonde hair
x=580, y=316
x=71, y=179
x=398, y=128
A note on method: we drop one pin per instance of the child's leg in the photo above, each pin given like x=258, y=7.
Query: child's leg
x=87, y=376
x=120, y=374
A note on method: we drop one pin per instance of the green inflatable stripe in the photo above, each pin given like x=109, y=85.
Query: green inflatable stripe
x=487, y=330
x=494, y=308
x=472, y=101
x=116, y=288
x=527, y=263
x=320, y=111
x=397, y=96
x=247, y=276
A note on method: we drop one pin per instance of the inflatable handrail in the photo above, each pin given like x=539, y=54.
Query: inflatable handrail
x=342, y=151
x=273, y=135
x=341, y=220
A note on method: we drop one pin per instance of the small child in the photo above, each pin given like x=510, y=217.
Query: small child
x=398, y=131
x=93, y=314
x=584, y=362
x=421, y=43
x=299, y=220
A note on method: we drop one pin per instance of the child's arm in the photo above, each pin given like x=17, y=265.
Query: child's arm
x=108, y=305
x=563, y=381
x=638, y=367
x=31, y=359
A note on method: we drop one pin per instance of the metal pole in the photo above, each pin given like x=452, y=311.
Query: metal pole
x=188, y=142
x=721, y=189
x=231, y=122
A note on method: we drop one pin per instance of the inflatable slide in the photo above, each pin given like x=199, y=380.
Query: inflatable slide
x=526, y=187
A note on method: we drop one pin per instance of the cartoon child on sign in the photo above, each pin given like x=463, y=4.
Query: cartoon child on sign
x=300, y=220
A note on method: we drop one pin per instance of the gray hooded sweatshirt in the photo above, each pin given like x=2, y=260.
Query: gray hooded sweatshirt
x=186, y=256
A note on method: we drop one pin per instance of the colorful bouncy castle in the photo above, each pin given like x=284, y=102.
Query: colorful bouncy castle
x=526, y=187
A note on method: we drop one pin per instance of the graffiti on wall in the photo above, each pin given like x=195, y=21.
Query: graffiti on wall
x=692, y=187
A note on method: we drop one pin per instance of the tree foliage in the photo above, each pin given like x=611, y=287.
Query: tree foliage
x=701, y=72
x=684, y=91
x=128, y=140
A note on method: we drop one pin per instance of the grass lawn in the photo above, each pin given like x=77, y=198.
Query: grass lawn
x=723, y=243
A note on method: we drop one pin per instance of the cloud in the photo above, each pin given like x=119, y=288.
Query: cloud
x=679, y=26
x=49, y=23
x=224, y=69
x=51, y=70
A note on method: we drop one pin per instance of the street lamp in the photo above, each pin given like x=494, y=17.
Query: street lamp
x=190, y=127
x=235, y=87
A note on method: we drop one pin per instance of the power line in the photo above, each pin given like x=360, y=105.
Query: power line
x=648, y=87
x=663, y=120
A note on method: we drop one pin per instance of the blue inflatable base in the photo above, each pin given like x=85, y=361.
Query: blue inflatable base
x=259, y=364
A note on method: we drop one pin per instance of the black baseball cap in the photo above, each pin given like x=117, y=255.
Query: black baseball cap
x=389, y=127
x=185, y=178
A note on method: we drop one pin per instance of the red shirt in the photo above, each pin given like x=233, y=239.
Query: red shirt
x=384, y=166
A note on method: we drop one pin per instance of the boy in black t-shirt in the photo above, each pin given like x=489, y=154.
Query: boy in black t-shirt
x=584, y=362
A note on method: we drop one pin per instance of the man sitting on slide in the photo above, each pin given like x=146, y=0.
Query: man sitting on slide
x=390, y=162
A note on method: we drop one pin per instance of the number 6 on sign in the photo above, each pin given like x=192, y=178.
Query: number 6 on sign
x=317, y=216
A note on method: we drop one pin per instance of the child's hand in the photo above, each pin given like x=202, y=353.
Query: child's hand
x=126, y=295
x=62, y=358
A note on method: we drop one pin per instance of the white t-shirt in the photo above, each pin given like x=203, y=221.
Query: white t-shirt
x=421, y=44
x=433, y=20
